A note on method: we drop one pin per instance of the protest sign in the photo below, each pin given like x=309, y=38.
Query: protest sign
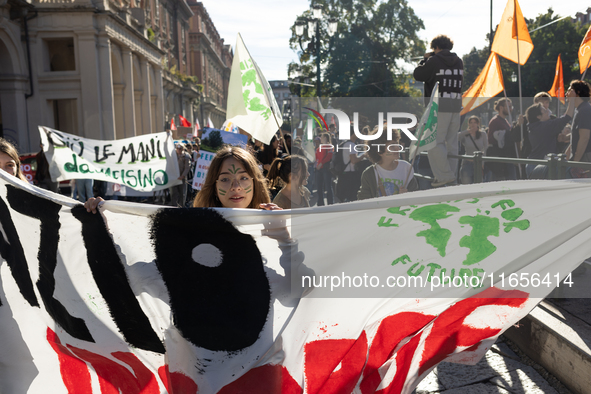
x=211, y=141
x=145, y=163
x=201, y=168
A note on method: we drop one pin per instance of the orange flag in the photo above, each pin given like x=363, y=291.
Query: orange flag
x=585, y=52
x=512, y=27
x=172, y=125
x=557, y=89
x=488, y=84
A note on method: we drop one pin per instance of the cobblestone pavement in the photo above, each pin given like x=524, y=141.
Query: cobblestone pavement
x=503, y=370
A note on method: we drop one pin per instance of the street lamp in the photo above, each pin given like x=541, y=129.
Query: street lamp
x=314, y=31
x=513, y=77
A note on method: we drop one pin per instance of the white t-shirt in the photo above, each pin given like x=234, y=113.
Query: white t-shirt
x=394, y=179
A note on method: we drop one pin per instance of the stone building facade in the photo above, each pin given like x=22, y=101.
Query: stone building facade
x=103, y=69
x=211, y=62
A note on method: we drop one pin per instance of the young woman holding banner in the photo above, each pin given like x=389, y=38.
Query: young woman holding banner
x=233, y=180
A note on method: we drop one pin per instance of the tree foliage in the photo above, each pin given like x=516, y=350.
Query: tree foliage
x=363, y=58
x=563, y=37
x=215, y=139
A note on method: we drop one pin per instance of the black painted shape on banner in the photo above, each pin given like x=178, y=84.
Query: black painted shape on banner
x=109, y=274
x=12, y=252
x=220, y=308
x=47, y=212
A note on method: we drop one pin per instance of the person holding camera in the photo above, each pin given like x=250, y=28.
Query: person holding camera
x=447, y=68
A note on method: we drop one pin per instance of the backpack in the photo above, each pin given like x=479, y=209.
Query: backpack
x=337, y=165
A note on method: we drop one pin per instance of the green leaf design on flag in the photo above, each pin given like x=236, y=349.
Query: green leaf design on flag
x=431, y=126
x=255, y=105
x=249, y=77
x=245, y=97
x=478, y=242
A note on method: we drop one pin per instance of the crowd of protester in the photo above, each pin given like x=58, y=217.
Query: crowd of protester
x=285, y=174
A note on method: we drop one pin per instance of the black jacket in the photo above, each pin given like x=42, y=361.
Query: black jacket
x=446, y=68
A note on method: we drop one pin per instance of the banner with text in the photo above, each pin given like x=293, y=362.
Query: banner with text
x=201, y=168
x=145, y=163
x=145, y=299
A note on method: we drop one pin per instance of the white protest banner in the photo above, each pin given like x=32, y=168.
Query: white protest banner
x=147, y=299
x=251, y=103
x=145, y=163
x=201, y=168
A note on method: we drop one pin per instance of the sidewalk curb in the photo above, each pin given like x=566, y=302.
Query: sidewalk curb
x=559, y=341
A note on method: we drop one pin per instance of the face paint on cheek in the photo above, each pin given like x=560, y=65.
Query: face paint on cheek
x=248, y=189
x=222, y=192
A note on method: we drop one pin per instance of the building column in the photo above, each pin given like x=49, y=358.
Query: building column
x=106, y=84
x=89, y=112
x=146, y=97
x=128, y=93
x=14, y=111
x=159, y=100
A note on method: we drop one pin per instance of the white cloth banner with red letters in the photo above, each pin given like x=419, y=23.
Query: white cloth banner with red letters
x=364, y=297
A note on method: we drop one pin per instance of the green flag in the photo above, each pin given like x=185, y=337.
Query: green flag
x=427, y=132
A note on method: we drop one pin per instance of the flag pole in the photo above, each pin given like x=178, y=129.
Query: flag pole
x=518, y=71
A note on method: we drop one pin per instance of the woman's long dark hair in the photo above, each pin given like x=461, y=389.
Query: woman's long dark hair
x=10, y=150
x=268, y=154
x=478, y=132
x=282, y=167
x=208, y=198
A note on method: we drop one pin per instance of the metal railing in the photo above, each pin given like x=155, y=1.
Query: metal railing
x=556, y=163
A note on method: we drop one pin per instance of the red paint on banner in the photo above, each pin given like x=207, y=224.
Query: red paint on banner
x=145, y=378
x=115, y=378
x=176, y=382
x=404, y=357
x=271, y=379
x=391, y=331
x=323, y=357
x=449, y=331
x=74, y=371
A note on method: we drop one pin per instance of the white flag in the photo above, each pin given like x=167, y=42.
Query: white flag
x=251, y=103
x=210, y=123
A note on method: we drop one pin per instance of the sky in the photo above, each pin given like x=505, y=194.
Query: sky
x=265, y=24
